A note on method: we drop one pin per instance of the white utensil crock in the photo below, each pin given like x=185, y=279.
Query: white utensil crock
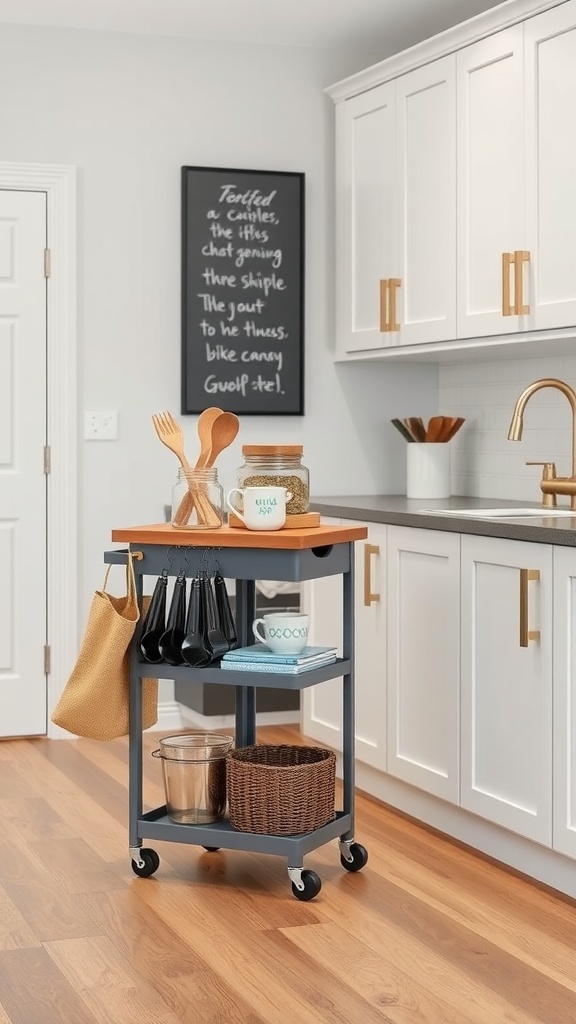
x=428, y=470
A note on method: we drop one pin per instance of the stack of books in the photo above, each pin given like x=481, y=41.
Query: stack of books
x=259, y=658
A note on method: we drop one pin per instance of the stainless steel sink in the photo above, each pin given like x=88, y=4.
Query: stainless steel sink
x=499, y=513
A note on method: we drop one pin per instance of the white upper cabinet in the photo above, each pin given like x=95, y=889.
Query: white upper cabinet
x=396, y=241
x=365, y=235
x=491, y=181
x=550, y=49
x=425, y=207
x=455, y=176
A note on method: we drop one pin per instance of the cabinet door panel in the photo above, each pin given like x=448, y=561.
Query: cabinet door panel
x=426, y=203
x=365, y=215
x=564, y=811
x=424, y=659
x=550, y=42
x=506, y=772
x=322, y=704
x=370, y=648
x=491, y=178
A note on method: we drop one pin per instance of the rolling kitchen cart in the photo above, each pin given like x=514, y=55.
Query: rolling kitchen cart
x=244, y=556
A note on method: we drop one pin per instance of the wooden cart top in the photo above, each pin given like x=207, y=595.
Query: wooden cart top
x=229, y=537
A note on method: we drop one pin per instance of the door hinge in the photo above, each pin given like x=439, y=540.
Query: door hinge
x=47, y=262
x=47, y=659
x=47, y=459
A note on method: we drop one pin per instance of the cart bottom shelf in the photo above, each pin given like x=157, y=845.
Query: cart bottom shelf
x=156, y=824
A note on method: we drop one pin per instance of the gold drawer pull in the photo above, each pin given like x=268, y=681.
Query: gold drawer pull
x=527, y=576
x=395, y=283
x=520, y=257
x=369, y=597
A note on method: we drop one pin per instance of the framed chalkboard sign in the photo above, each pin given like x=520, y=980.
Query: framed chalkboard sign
x=242, y=291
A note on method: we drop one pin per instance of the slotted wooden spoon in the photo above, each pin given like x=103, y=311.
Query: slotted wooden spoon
x=170, y=434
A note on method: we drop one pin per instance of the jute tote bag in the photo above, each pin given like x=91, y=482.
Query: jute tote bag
x=95, y=700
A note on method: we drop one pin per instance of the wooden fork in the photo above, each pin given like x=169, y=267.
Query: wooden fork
x=170, y=434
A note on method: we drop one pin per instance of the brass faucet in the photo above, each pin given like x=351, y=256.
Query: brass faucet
x=550, y=484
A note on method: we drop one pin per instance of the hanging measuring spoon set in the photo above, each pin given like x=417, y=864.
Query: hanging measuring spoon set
x=196, y=628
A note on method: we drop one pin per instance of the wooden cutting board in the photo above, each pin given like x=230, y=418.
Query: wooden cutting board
x=298, y=521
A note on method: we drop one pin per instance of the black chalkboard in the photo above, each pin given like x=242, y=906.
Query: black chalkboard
x=242, y=291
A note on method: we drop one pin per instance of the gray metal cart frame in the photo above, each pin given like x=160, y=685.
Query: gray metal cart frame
x=245, y=566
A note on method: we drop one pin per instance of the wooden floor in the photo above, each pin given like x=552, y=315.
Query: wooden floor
x=427, y=933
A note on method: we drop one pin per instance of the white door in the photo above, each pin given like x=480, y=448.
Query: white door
x=506, y=742
x=365, y=217
x=426, y=204
x=550, y=42
x=491, y=181
x=23, y=703
x=424, y=659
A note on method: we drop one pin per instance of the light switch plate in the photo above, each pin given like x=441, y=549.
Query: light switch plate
x=100, y=426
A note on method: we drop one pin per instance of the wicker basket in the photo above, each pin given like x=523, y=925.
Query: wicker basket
x=280, y=789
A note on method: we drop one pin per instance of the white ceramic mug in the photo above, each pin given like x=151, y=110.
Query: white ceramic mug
x=264, y=507
x=284, y=632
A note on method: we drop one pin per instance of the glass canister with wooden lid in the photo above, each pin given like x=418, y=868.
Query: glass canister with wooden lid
x=277, y=465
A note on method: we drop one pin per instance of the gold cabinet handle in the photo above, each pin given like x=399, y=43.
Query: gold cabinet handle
x=520, y=257
x=384, y=306
x=394, y=283
x=507, y=260
x=369, y=597
x=527, y=576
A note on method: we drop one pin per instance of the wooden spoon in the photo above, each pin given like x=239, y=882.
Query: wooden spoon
x=206, y=420
x=434, y=430
x=447, y=424
x=223, y=432
x=455, y=427
x=416, y=427
x=400, y=426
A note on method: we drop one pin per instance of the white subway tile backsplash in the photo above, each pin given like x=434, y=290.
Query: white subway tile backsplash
x=484, y=462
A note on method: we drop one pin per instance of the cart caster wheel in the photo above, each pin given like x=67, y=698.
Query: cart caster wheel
x=312, y=885
x=212, y=849
x=359, y=855
x=150, y=865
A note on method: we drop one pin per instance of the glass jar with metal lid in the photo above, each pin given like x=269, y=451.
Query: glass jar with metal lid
x=277, y=465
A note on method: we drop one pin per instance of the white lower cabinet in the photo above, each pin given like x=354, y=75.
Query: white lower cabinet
x=423, y=659
x=506, y=684
x=564, y=766
x=465, y=677
x=322, y=704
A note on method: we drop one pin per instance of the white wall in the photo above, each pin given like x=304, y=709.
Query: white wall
x=484, y=462
x=128, y=112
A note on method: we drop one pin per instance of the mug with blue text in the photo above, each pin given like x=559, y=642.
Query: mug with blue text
x=284, y=632
x=264, y=508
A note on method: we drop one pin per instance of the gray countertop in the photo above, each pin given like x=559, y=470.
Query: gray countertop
x=397, y=510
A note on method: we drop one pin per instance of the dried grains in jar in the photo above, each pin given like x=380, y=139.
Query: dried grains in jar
x=277, y=465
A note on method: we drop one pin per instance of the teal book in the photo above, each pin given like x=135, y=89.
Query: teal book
x=260, y=652
x=242, y=665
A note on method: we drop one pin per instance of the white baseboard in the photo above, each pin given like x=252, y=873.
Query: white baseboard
x=169, y=717
x=193, y=718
